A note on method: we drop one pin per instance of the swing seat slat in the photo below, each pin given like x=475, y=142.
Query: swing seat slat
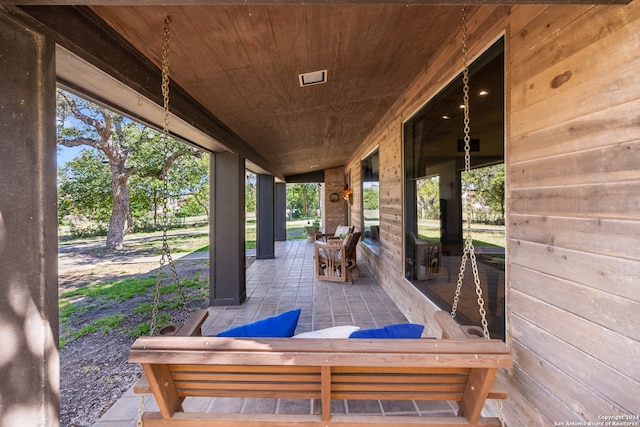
x=460, y=370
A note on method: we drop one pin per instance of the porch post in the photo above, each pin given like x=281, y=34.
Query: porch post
x=29, y=357
x=227, y=274
x=265, y=217
x=281, y=212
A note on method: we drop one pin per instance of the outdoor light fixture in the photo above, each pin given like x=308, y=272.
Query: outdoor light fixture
x=313, y=78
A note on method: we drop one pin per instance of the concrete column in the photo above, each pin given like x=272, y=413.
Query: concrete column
x=227, y=272
x=29, y=358
x=265, y=217
x=281, y=212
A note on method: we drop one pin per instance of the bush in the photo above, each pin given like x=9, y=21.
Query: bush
x=146, y=225
x=88, y=230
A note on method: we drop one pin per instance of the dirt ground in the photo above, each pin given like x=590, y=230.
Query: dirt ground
x=94, y=369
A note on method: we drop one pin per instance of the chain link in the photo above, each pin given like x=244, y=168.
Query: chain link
x=503, y=422
x=166, y=253
x=469, y=251
x=139, y=422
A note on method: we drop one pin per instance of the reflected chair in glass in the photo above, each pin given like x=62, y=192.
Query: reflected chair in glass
x=428, y=258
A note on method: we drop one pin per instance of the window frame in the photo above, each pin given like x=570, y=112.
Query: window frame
x=371, y=236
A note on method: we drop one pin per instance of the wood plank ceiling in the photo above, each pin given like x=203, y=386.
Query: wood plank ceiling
x=242, y=62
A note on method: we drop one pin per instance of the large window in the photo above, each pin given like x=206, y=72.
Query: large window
x=371, y=201
x=437, y=191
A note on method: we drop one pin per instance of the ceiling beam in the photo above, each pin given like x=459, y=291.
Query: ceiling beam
x=304, y=2
x=81, y=32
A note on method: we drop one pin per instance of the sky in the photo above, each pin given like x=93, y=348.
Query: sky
x=67, y=153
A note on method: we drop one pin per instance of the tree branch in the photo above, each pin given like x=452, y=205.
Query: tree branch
x=168, y=163
x=75, y=142
x=103, y=129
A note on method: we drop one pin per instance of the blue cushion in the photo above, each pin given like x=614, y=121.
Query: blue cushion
x=280, y=326
x=400, y=330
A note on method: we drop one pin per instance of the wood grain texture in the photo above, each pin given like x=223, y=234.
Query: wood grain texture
x=561, y=361
x=572, y=127
x=324, y=369
x=245, y=64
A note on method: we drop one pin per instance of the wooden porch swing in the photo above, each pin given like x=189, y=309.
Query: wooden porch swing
x=458, y=368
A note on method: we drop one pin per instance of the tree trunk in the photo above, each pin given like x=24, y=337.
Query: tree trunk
x=203, y=205
x=129, y=226
x=155, y=209
x=117, y=224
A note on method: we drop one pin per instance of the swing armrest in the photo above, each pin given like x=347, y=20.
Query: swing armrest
x=450, y=329
x=193, y=326
x=142, y=386
x=498, y=390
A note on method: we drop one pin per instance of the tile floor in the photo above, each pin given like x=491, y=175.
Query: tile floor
x=277, y=285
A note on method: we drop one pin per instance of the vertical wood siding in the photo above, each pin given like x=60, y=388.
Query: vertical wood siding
x=573, y=204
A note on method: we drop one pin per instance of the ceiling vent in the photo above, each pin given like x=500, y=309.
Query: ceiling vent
x=313, y=78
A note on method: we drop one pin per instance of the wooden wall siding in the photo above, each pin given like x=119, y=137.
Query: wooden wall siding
x=574, y=181
x=573, y=214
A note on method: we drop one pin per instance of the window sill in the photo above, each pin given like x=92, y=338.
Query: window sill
x=372, y=245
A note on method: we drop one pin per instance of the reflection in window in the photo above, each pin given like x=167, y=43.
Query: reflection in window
x=428, y=205
x=437, y=190
x=371, y=201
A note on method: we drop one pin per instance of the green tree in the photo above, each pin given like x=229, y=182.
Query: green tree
x=371, y=197
x=128, y=148
x=486, y=189
x=250, y=192
x=303, y=200
x=428, y=197
x=84, y=187
x=146, y=196
x=189, y=181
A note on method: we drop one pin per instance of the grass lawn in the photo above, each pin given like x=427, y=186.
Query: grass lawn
x=483, y=236
x=295, y=231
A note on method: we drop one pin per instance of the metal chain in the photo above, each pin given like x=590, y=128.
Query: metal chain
x=469, y=252
x=165, y=189
x=139, y=422
x=503, y=422
x=166, y=253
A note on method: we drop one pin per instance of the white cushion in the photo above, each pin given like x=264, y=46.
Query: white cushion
x=334, y=332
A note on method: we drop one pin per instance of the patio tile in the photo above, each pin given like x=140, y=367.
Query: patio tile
x=228, y=405
x=364, y=407
x=197, y=404
x=399, y=407
x=259, y=406
x=436, y=407
x=337, y=407
x=294, y=406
